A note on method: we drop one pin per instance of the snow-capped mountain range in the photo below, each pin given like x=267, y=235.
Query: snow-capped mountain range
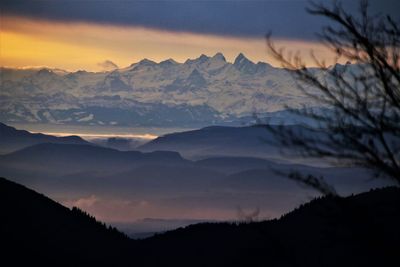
x=202, y=91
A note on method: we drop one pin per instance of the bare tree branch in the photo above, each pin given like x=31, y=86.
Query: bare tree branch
x=361, y=123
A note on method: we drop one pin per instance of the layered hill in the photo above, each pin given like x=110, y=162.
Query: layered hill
x=158, y=182
x=221, y=141
x=12, y=139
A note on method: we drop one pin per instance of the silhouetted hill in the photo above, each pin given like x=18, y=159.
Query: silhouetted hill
x=176, y=187
x=230, y=165
x=360, y=230
x=81, y=157
x=36, y=231
x=12, y=139
x=214, y=141
x=222, y=141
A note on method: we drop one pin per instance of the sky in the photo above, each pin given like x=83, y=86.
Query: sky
x=98, y=35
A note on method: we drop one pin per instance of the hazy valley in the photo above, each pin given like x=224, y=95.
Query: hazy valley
x=215, y=173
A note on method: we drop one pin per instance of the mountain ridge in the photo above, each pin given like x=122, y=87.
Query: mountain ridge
x=202, y=91
x=12, y=139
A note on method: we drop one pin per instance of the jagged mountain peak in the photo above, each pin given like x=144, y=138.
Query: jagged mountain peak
x=168, y=62
x=241, y=59
x=201, y=59
x=142, y=63
x=195, y=71
x=195, y=74
x=219, y=56
x=196, y=79
x=146, y=62
x=244, y=65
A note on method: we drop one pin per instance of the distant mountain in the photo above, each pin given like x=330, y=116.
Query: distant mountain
x=199, y=92
x=75, y=158
x=221, y=141
x=119, y=143
x=230, y=165
x=236, y=166
x=162, y=183
x=216, y=141
x=36, y=231
x=360, y=230
x=88, y=169
x=12, y=139
x=256, y=174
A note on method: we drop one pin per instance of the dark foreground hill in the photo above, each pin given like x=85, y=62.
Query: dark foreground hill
x=36, y=231
x=360, y=230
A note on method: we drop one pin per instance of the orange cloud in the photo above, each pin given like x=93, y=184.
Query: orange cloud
x=73, y=46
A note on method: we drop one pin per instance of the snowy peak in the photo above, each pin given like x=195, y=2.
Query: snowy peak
x=145, y=63
x=141, y=65
x=113, y=83
x=241, y=60
x=193, y=82
x=217, y=60
x=196, y=79
x=201, y=59
x=219, y=57
x=168, y=63
x=245, y=65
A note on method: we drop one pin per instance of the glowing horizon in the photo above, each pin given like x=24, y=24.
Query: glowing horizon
x=90, y=136
x=84, y=46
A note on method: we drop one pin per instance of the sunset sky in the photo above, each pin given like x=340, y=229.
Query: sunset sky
x=99, y=35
